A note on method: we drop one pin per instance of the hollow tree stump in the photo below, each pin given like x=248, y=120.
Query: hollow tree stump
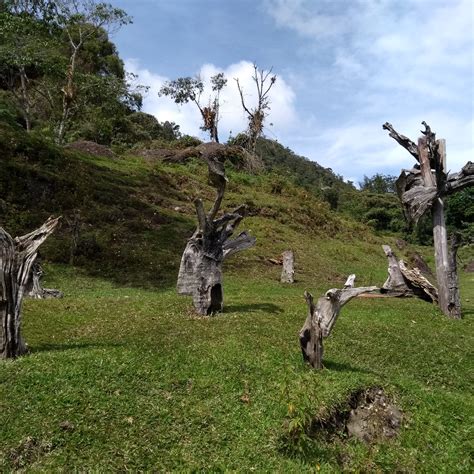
x=17, y=257
x=200, y=272
x=321, y=319
x=288, y=270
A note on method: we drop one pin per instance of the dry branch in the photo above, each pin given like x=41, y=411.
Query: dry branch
x=321, y=319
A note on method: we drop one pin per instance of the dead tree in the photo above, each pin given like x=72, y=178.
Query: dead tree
x=264, y=81
x=423, y=189
x=17, y=257
x=288, y=270
x=33, y=287
x=200, y=272
x=321, y=319
x=405, y=282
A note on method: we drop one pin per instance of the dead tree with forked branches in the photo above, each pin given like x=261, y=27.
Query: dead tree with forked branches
x=322, y=317
x=17, y=257
x=264, y=81
x=423, y=189
x=200, y=272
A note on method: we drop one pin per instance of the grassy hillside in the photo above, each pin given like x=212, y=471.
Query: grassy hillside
x=123, y=376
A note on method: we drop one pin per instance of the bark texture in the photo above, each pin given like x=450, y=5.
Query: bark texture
x=200, y=272
x=17, y=257
x=422, y=190
x=454, y=303
x=288, y=270
x=321, y=319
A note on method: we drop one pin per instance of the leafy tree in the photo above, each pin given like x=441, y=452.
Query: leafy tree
x=190, y=89
x=379, y=184
x=81, y=20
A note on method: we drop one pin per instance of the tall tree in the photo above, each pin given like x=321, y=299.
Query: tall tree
x=81, y=19
x=190, y=89
x=264, y=81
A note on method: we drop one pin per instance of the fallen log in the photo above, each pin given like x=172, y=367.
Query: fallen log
x=35, y=290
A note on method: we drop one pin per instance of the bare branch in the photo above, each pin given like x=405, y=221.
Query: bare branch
x=404, y=141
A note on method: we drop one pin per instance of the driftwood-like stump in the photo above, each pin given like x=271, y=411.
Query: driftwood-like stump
x=321, y=319
x=288, y=270
x=406, y=282
x=200, y=272
x=17, y=257
x=422, y=190
x=34, y=289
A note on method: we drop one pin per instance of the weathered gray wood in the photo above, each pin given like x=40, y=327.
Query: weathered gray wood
x=17, y=257
x=311, y=335
x=200, y=272
x=350, y=281
x=288, y=270
x=423, y=189
x=321, y=319
x=454, y=303
x=395, y=285
x=34, y=289
x=421, y=287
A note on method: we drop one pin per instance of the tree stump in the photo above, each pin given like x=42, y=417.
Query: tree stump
x=17, y=257
x=34, y=289
x=288, y=270
x=200, y=272
x=321, y=319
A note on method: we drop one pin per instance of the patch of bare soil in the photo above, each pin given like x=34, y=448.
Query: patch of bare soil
x=28, y=452
x=92, y=148
x=370, y=415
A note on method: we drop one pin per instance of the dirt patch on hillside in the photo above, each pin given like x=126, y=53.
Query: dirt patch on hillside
x=92, y=148
x=469, y=267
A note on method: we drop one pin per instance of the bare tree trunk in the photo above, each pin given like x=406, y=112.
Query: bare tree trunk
x=321, y=319
x=454, y=303
x=25, y=99
x=288, y=270
x=200, y=272
x=16, y=259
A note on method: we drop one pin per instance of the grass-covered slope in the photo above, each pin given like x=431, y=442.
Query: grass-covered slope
x=123, y=376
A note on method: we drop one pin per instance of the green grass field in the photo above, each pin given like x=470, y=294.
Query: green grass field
x=124, y=379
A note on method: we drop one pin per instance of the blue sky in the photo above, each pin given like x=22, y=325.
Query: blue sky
x=344, y=67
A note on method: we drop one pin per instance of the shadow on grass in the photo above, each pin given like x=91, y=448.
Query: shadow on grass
x=68, y=346
x=248, y=308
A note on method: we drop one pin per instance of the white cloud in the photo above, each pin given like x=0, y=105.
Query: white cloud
x=282, y=112
x=389, y=60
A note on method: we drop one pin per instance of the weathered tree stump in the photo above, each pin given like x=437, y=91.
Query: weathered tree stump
x=423, y=189
x=454, y=302
x=405, y=282
x=288, y=270
x=17, y=257
x=200, y=272
x=34, y=288
x=321, y=319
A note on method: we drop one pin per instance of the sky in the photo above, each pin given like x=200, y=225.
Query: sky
x=344, y=67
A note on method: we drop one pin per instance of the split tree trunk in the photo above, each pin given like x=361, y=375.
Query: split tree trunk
x=321, y=319
x=288, y=270
x=17, y=257
x=200, y=272
x=424, y=189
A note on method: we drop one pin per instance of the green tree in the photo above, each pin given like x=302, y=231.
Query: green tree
x=190, y=89
x=379, y=184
